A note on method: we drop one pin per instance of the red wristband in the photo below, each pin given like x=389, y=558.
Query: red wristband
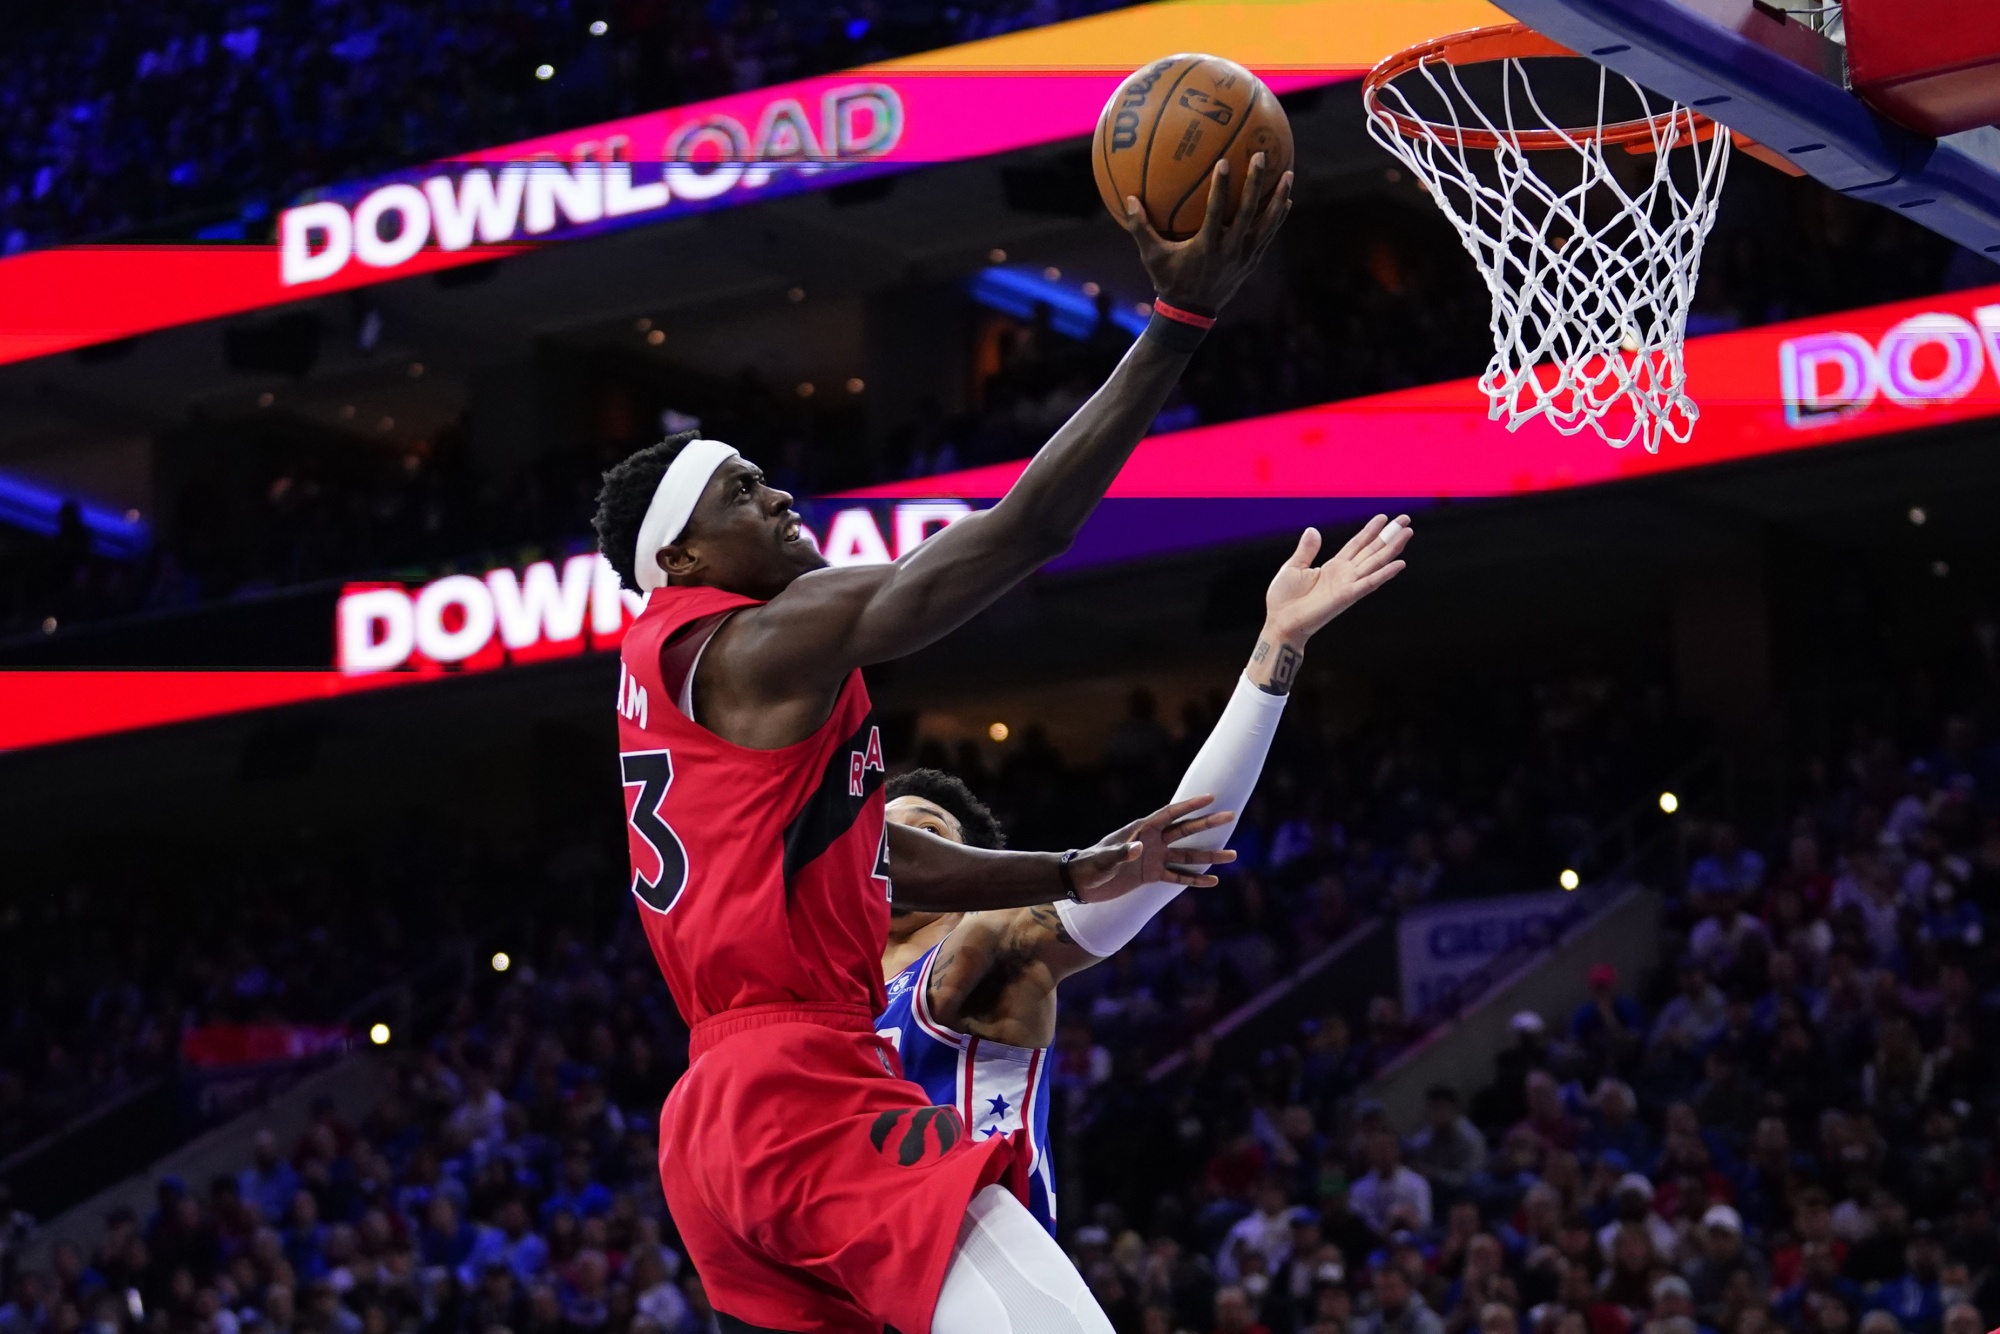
x=1179, y=316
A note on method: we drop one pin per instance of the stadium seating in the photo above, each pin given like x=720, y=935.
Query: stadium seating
x=1790, y=1130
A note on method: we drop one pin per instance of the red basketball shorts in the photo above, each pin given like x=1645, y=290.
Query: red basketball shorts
x=815, y=1188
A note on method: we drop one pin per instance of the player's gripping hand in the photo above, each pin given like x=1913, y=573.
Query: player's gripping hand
x=1142, y=853
x=1201, y=273
x=1304, y=597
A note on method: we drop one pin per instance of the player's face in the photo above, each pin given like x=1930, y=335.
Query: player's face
x=744, y=536
x=920, y=814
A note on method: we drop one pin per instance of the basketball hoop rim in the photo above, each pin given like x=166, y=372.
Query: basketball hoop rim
x=1510, y=41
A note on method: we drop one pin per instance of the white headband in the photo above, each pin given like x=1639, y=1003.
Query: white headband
x=667, y=517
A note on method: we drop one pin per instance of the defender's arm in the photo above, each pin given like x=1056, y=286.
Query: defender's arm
x=1058, y=939
x=932, y=874
x=1301, y=600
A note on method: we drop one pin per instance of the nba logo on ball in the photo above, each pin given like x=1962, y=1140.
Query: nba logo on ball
x=1163, y=131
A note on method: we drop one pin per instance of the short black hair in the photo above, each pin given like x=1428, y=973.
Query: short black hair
x=950, y=794
x=623, y=500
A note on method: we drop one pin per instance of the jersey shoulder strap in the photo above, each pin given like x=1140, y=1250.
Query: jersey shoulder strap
x=920, y=1002
x=674, y=617
x=902, y=982
x=681, y=654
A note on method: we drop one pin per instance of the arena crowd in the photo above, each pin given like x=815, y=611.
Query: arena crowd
x=1420, y=802
x=204, y=119
x=108, y=969
x=1792, y=1130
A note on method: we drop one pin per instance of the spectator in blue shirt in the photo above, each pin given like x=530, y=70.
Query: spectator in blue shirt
x=510, y=1243
x=269, y=1182
x=577, y=1193
x=1615, y=1126
x=305, y=1238
x=1819, y=1277
x=1729, y=867
x=1916, y=1299
x=1609, y=1027
x=1950, y=918
x=446, y=1240
x=1782, y=971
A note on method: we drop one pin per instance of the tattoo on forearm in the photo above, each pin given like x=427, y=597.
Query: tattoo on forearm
x=947, y=954
x=1045, y=916
x=1283, y=672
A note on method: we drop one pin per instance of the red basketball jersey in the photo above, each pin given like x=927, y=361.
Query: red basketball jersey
x=762, y=876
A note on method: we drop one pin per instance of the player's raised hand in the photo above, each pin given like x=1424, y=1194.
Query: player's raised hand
x=1143, y=853
x=1201, y=273
x=1303, y=597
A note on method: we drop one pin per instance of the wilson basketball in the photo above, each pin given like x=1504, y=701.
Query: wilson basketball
x=1164, y=128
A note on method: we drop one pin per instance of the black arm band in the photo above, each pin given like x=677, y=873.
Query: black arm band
x=1068, y=876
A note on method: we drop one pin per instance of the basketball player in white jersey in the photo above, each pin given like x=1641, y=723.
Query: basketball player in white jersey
x=972, y=996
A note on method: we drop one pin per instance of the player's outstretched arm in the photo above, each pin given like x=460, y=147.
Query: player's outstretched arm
x=932, y=874
x=1065, y=938
x=830, y=621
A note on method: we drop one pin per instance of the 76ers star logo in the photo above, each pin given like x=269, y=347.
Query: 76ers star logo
x=659, y=862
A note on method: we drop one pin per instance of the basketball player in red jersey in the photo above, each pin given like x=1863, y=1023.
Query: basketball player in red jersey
x=814, y=1188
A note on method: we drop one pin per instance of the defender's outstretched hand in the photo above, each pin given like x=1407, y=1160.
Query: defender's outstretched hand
x=1304, y=597
x=1201, y=273
x=1142, y=853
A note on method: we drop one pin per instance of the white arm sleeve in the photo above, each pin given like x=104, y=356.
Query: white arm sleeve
x=1228, y=767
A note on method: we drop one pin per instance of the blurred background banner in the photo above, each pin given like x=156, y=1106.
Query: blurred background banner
x=1766, y=391
x=974, y=100
x=1438, y=948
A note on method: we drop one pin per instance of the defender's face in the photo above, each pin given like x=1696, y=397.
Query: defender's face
x=743, y=537
x=917, y=813
x=920, y=814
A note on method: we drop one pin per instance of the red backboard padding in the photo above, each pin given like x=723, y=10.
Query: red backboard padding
x=1929, y=65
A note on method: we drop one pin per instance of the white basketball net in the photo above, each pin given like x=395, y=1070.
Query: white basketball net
x=1591, y=279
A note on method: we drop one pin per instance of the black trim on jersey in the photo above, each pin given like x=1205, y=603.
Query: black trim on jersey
x=729, y=1324
x=831, y=810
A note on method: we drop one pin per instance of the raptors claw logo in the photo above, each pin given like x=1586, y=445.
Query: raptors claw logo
x=929, y=1133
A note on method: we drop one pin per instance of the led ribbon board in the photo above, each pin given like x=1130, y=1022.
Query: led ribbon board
x=1765, y=392
x=963, y=102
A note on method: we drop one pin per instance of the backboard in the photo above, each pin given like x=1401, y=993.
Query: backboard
x=1752, y=67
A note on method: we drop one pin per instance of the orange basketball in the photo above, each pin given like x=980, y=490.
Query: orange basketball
x=1164, y=128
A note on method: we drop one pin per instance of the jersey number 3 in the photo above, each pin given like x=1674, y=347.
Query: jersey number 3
x=659, y=862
